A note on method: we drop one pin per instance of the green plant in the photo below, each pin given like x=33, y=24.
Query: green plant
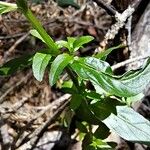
x=6, y=7
x=104, y=105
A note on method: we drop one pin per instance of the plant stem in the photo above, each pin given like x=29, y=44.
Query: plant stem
x=74, y=79
x=38, y=26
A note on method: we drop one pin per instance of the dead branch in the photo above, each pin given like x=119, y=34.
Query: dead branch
x=12, y=48
x=110, y=10
x=58, y=104
x=11, y=36
x=13, y=109
x=2, y=98
x=38, y=133
x=121, y=20
x=126, y=62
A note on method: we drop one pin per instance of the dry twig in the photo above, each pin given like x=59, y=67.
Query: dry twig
x=126, y=62
x=57, y=103
x=11, y=36
x=9, y=110
x=38, y=133
x=121, y=19
x=110, y=10
x=12, y=48
x=50, y=106
x=2, y=98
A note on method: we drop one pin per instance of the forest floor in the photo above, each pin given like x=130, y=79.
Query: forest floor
x=25, y=103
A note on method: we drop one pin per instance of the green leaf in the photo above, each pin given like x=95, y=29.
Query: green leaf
x=92, y=143
x=102, y=132
x=81, y=127
x=103, y=55
x=100, y=90
x=7, y=7
x=67, y=84
x=60, y=62
x=95, y=63
x=131, y=100
x=129, y=125
x=124, y=86
x=40, y=62
x=74, y=43
x=62, y=43
x=15, y=64
x=87, y=141
x=36, y=34
x=99, y=144
x=85, y=114
x=71, y=40
x=67, y=119
x=69, y=90
x=75, y=101
x=79, y=42
x=93, y=95
x=104, y=108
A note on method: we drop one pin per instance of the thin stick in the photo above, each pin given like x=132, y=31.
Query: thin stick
x=128, y=27
x=105, y=6
x=126, y=62
x=121, y=21
x=136, y=3
x=11, y=110
x=12, y=48
x=40, y=131
x=18, y=42
x=55, y=103
x=13, y=87
x=59, y=101
x=11, y=36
